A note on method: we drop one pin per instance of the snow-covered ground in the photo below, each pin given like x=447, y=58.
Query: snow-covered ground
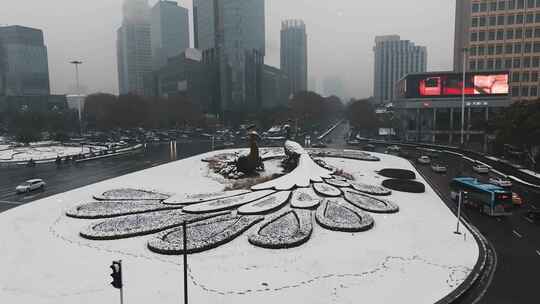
x=43, y=152
x=411, y=256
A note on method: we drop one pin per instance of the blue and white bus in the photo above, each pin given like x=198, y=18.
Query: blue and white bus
x=489, y=199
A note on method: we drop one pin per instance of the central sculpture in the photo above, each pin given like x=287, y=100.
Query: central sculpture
x=251, y=163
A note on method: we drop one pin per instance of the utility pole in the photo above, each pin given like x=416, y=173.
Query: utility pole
x=465, y=50
x=76, y=63
x=461, y=193
x=184, y=229
x=116, y=275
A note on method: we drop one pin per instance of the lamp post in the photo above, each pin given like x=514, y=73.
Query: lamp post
x=465, y=50
x=76, y=63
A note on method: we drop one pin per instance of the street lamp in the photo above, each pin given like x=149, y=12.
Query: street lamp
x=76, y=63
x=464, y=50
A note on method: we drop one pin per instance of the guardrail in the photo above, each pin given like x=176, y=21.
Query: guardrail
x=330, y=130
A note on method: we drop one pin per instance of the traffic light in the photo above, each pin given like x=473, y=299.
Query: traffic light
x=116, y=274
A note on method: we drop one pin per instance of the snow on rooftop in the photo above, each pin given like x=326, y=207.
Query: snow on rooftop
x=411, y=256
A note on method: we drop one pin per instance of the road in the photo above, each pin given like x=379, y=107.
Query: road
x=66, y=177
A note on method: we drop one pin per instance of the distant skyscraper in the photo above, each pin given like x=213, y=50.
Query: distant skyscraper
x=170, y=31
x=501, y=35
x=395, y=58
x=24, y=68
x=294, y=54
x=134, y=47
x=231, y=34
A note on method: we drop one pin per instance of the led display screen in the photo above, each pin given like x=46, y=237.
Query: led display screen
x=451, y=84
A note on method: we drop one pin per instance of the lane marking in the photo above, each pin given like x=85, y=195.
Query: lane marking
x=528, y=220
x=517, y=234
x=533, y=206
x=538, y=252
x=498, y=219
x=10, y=203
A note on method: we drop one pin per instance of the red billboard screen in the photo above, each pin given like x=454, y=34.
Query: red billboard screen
x=451, y=84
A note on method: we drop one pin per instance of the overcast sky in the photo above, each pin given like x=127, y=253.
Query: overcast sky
x=341, y=35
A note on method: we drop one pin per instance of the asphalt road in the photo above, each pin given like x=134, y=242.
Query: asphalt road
x=66, y=177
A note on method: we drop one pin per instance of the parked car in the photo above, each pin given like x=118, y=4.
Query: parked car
x=501, y=182
x=424, y=160
x=438, y=168
x=516, y=199
x=30, y=185
x=480, y=168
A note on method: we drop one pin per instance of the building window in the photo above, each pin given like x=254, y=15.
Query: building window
x=515, y=91
x=534, y=76
x=525, y=91
x=474, y=36
x=491, y=35
x=482, y=21
x=527, y=48
x=537, y=18
x=481, y=50
x=489, y=64
x=518, y=34
x=480, y=64
x=536, y=62
x=510, y=34
x=472, y=50
x=492, y=20
x=502, y=5
x=499, y=49
x=519, y=19
x=482, y=36
x=511, y=4
x=517, y=63
x=474, y=22
x=525, y=77
x=472, y=65
x=500, y=20
x=475, y=7
x=511, y=19
x=500, y=34
x=534, y=91
x=527, y=62
x=508, y=63
x=537, y=32
x=528, y=32
x=493, y=6
x=498, y=64
x=520, y=4
x=530, y=3
x=537, y=3
x=508, y=48
x=530, y=18
x=491, y=49
x=536, y=47
x=515, y=77
x=517, y=48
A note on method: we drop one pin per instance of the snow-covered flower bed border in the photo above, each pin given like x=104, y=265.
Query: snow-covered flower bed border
x=130, y=194
x=369, y=203
x=366, y=221
x=107, y=209
x=303, y=227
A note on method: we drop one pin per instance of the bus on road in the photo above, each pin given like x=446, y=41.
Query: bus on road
x=489, y=199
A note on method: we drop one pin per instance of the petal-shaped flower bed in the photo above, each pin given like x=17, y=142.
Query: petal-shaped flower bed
x=128, y=194
x=266, y=204
x=338, y=215
x=326, y=190
x=397, y=173
x=404, y=185
x=371, y=189
x=140, y=224
x=350, y=154
x=337, y=183
x=227, y=203
x=203, y=235
x=368, y=203
x=289, y=229
x=190, y=199
x=106, y=209
x=305, y=198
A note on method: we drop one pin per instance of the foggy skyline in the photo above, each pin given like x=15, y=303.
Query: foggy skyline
x=341, y=36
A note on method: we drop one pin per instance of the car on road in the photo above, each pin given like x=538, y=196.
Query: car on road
x=480, y=168
x=501, y=182
x=424, y=160
x=438, y=168
x=516, y=199
x=30, y=185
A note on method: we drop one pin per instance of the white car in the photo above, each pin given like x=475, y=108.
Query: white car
x=479, y=168
x=438, y=168
x=30, y=185
x=501, y=182
x=424, y=160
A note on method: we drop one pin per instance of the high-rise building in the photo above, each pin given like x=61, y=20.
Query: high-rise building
x=231, y=34
x=134, y=49
x=169, y=31
x=24, y=68
x=501, y=35
x=294, y=54
x=395, y=58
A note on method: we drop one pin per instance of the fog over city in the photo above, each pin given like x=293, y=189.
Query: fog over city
x=341, y=36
